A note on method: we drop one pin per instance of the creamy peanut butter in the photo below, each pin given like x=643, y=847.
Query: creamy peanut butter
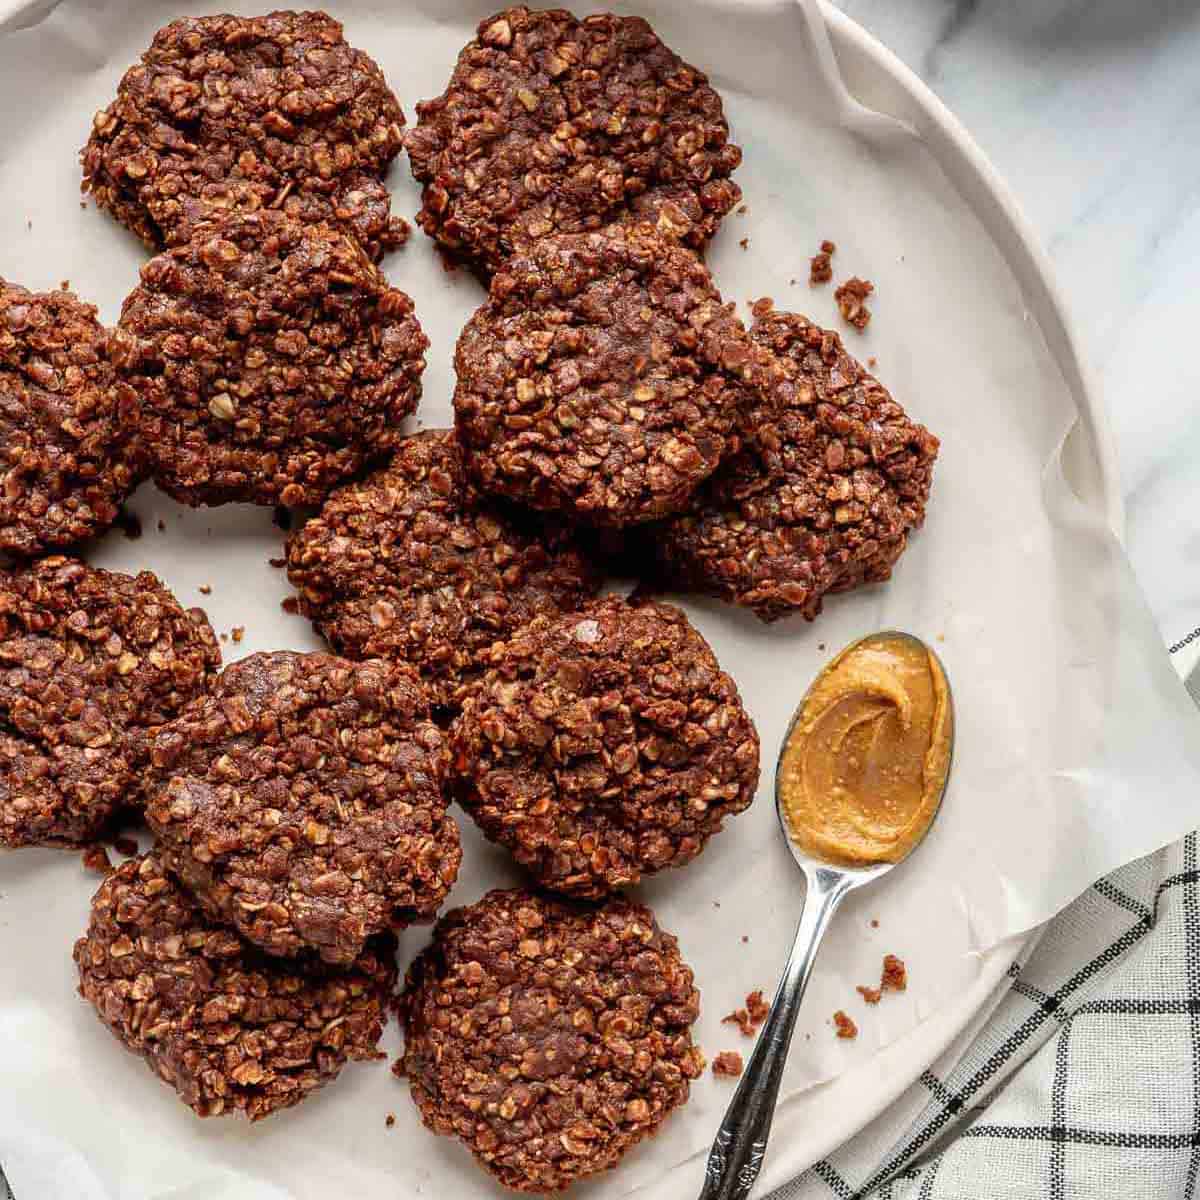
x=864, y=765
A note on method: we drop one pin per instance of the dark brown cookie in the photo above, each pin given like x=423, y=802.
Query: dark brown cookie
x=230, y=1029
x=410, y=564
x=91, y=662
x=604, y=377
x=69, y=452
x=551, y=124
x=302, y=802
x=833, y=477
x=549, y=1037
x=604, y=745
x=246, y=113
x=272, y=360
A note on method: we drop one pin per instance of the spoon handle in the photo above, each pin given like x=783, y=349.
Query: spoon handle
x=741, y=1143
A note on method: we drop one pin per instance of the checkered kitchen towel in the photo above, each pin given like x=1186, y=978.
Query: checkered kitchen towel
x=1083, y=1083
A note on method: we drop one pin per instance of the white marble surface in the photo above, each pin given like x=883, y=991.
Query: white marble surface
x=1089, y=109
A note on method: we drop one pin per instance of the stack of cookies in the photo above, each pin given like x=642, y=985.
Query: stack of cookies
x=610, y=407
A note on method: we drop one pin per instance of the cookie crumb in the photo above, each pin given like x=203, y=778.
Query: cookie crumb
x=895, y=974
x=874, y=920
x=757, y=1007
x=846, y=1028
x=872, y=362
x=741, y=1018
x=390, y=1120
x=728, y=1063
x=161, y=524
x=277, y=562
x=820, y=267
x=745, y=243
x=95, y=858
x=851, y=301
x=205, y=589
x=821, y=647
x=741, y=211
x=745, y=938
x=290, y=604
x=238, y=632
x=224, y=637
x=869, y=994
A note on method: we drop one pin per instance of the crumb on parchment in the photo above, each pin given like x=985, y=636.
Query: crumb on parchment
x=846, y=1028
x=727, y=1064
x=851, y=299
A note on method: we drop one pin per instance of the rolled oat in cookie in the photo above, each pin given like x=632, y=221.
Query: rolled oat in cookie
x=604, y=378
x=411, y=563
x=549, y=1037
x=603, y=745
x=272, y=360
x=91, y=663
x=230, y=1029
x=228, y=113
x=832, y=478
x=553, y=124
x=69, y=451
x=302, y=802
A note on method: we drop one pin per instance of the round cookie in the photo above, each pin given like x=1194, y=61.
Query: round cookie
x=272, y=360
x=91, y=663
x=409, y=564
x=231, y=1030
x=833, y=477
x=69, y=452
x=246, y=113
x=604, y=745
x=604, y=377
x=549, y=1037
x=302, y=802
x=552, y=124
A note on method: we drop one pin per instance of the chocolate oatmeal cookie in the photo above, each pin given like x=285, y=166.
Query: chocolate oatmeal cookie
x=272, y=360
x=246, y=113
x=302, y=802
x=91, y=662
x=604, y=745
x=549, y=1037
x=551, y=124
x=68, y=426
x=603, y=378
x=231, y=1030
x=824, y=494
x=410, y=564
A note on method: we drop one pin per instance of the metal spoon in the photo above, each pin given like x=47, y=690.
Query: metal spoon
x=740, y=1146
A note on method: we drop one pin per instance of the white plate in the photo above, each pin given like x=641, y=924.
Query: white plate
x=62, y=1059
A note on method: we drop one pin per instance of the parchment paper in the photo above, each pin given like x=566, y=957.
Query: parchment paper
x=1076, y=742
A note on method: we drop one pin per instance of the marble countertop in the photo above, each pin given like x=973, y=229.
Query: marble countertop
x=1088, y=108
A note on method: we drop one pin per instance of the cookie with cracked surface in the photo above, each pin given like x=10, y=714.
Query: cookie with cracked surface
x=272, y=360
x=228, y=113
x=91, y=663
x=603, y=745
x=549, y=1037
x=833, y=477
x=553, y=124
x=302, y=802
x=604, y=378
x=410, y=563
x=69, y=447
x=230, y=1029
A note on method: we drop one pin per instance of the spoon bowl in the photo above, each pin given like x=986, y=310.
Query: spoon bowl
x=740, y=1146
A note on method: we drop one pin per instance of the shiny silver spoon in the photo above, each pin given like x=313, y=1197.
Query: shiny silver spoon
x=740, y=1146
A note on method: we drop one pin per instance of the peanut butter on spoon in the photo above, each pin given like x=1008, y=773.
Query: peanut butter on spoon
x=866, y=759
